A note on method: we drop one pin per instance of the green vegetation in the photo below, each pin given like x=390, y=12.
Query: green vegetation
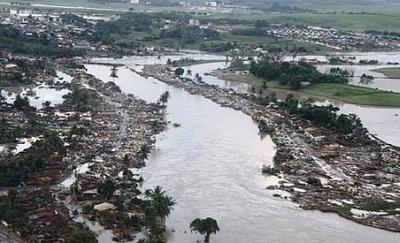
x=392, y=72
x=158, y=206
x=15, y=41
x=13, y=214
x=205, y=227
x=343, y=92
x=82, y=235
x=149, y=28
x=293, y=75
x=179, y=71
x=274, y=44
x=354, y=94
x=22, y=168
x=325, y=116
x=22, y=104
x=106, y=189
x=134, y=30
x=188, y=62
x=164, y=97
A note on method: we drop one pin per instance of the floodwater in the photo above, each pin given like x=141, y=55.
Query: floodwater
x=380, y=121
x=42, y=93
x=380, y=81
x=211, y=165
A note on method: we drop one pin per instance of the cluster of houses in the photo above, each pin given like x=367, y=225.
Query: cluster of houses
x=333, y=38
x=65, y=34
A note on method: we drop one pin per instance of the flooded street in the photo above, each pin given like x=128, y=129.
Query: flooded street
x=211, y=165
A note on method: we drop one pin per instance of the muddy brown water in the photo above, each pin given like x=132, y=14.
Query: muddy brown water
x=211, y=165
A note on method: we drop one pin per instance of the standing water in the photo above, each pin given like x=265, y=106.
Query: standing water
x=212, y=164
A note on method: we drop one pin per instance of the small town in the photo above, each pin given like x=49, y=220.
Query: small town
x=199, y=121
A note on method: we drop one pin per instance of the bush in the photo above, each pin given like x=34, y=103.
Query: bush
x=82, y=235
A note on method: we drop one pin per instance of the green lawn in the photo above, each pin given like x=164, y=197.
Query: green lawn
x=354, y=94
x=392, y=72
x=390, y=22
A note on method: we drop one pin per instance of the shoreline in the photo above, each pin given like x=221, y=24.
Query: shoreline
x=222, y=74
x=301, y=146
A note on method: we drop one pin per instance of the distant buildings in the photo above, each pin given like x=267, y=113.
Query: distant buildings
x=217, y=3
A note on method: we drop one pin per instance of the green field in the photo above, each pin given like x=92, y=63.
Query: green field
x=343, y=92
x=339, y=20
x=392, y=72
x=354, y=94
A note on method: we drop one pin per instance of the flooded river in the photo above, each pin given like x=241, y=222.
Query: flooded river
x=211, y=165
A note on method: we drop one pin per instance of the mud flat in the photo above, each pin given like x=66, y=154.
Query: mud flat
x=355, y=176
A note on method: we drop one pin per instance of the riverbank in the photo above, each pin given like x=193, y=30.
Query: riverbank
x=344, y=92
x=393, y=72
x=320, y=168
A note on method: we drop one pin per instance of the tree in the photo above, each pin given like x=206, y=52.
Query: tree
x=114, y=71
x=106, y=189
x=205, y=227
x=179, y=71
x=12, y=195
x=366, y=79
x=144, y=152
x=164, y=97
x=158, y=204
x=47, y=106
x=21, y=103
x=82, y=235
x=50, y=143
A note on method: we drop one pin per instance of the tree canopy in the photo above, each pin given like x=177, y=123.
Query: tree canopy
x=205, y=227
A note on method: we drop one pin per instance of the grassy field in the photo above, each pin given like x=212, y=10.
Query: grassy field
x=342, y=21
x=375, y=16
x=343, y=92
x=392, y=72
x=354, y=94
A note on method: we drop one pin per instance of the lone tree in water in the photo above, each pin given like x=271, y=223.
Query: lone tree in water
x=114, y=71
x=164, y=97
x=205, y=227
x=158, y=205
x=366, y=79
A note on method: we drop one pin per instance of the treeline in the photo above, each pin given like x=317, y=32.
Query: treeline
x=293, y=74
x=177, y=28
x=13, y=40
x=384, y=33
x=325, y=116
x=218, y=47
x=26, y=71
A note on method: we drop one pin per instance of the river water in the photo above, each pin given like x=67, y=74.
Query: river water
x=211, y=165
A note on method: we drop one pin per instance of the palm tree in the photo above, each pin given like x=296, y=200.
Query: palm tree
x=114, y=71
x=144, y=152
x=106, y=189
x=205, y=227
x=164, y=97
x=159, y=204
